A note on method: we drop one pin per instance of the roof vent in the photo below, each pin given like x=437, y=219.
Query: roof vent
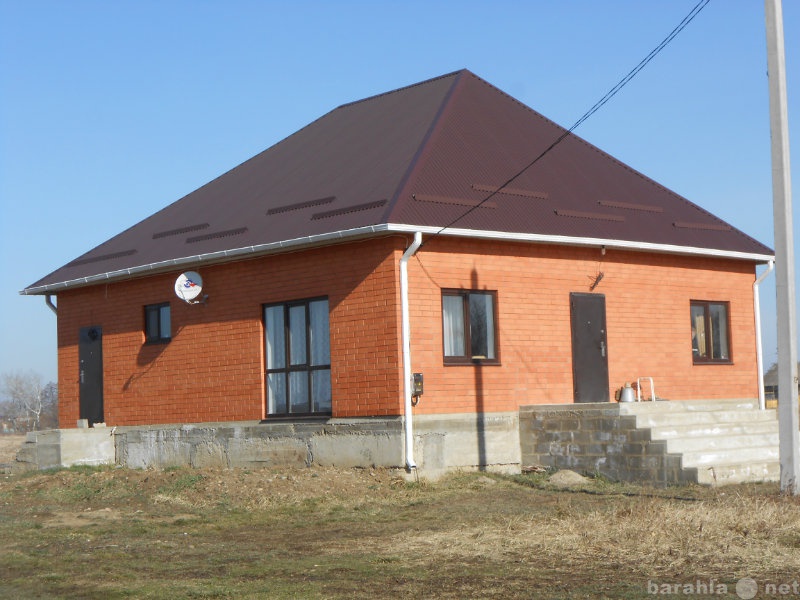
x=93, y=259
x=348, y=209
x=631, y=206
x=216, y=234
x=300, y=205
x=454, y=201
x=589, y=215
x=509, y=191
x=180, y=230
x=702, y=226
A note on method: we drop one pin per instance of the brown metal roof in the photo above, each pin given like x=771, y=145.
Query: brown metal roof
x=423, y=155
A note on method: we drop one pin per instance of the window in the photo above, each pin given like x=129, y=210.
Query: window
x=157, y=323
x=298, y=358
x=710, y=332
x=468, y=323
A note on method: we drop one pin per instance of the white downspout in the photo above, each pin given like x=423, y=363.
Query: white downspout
x=762, y=403
x=406, y=335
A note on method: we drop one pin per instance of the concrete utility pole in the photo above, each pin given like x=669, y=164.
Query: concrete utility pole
x=789, y=434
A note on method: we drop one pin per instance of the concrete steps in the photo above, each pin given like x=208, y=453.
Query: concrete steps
x=55, y=448
x=723, y=441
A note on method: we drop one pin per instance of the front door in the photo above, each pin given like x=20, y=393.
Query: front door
x=90, y=376
x=589, y=347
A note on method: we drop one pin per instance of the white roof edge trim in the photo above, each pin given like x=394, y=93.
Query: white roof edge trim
x=209, y=258
x=564, y=240
x=347, y=234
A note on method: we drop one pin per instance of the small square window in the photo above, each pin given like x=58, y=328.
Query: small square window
x=468, y=324
x=157, y=323
x=711, y=341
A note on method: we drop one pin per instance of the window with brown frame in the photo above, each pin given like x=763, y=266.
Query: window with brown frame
x=711, y=341
x=298, y=357
x=157, y=324
x=469, y=327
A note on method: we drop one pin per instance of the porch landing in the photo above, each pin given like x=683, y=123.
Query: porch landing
x=712, y=442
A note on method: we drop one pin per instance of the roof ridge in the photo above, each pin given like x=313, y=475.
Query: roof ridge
x=404, y=88
x=435, y=122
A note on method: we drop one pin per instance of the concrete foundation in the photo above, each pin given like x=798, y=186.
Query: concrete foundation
x=55, y=448
x=442, y=443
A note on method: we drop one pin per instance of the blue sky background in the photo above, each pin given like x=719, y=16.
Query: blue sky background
x=111, y=110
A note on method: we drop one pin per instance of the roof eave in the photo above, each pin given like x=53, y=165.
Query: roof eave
x=209, y=258
x=373, y=230
x=564, y=240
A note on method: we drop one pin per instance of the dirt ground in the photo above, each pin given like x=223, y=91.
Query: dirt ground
x=109, y=532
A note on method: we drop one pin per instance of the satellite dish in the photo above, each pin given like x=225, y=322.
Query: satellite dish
x=188, y=286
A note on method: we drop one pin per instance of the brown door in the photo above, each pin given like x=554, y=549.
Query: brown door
x=589, y=347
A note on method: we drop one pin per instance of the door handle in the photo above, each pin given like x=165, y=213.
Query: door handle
x=603, y=348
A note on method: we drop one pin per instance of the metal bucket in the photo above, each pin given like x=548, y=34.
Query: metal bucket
x=627, y=394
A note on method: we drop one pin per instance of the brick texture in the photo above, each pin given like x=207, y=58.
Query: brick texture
x=647, y=313
x=213, y=368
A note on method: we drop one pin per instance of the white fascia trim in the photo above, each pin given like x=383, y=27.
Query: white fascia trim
x=370, y=230
x=564, y=240
x=211, y=258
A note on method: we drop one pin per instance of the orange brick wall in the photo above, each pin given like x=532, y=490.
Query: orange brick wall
x=647, y=312
x=213, y=369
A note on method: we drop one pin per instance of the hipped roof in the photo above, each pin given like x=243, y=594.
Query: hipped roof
x=417, y=158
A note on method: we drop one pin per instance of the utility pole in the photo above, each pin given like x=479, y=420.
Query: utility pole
x=789, y=434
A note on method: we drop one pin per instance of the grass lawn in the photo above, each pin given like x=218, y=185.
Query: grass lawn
x=327, y=533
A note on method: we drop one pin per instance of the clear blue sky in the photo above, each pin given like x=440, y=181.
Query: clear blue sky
x=111, y=110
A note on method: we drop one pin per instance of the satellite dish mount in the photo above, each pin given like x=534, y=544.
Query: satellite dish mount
x=189, y=288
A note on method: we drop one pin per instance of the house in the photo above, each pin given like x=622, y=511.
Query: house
x=771, y=385
x=408, y=233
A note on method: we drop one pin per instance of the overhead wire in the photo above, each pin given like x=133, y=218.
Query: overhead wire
x=597, y=106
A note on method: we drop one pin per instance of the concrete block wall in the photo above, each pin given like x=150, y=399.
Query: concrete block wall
x=347, y=443
x=55, y=448
x=595, y=438
x=442, y=443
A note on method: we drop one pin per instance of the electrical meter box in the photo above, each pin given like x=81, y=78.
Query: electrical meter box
x=417, y=386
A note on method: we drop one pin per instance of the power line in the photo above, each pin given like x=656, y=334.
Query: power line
x=597, y=106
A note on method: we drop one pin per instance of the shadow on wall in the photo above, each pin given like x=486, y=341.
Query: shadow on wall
x=147, y=358
x=480, y=419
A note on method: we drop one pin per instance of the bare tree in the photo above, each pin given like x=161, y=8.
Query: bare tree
x=49, y=419
x=28, y=401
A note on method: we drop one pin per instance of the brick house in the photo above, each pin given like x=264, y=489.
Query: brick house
x=403, y=234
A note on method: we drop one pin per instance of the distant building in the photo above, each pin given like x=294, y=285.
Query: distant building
x=771, y=382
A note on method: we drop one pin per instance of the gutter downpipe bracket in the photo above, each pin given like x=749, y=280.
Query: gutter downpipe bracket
x=762, y=403
x=406, y=335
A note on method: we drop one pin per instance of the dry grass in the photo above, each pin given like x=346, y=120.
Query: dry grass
x=367, y=534
x=9, y=444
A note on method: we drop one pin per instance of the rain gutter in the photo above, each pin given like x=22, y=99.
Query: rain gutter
x=371, y=230
x=762, y=402
x=406, y=335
